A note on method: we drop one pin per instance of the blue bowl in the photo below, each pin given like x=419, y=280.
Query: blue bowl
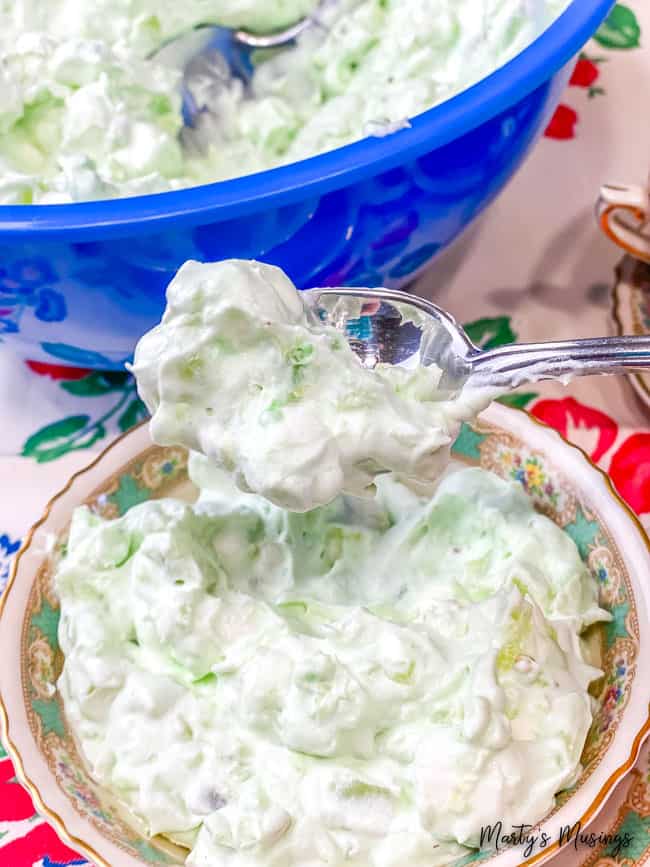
x=80, y=283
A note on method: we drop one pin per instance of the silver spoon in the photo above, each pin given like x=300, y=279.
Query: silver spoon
x=208, y=66
x=181, y=48
x=384, y=325
x=276, y=39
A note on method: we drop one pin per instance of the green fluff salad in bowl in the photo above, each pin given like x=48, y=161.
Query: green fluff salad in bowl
x=92, y=107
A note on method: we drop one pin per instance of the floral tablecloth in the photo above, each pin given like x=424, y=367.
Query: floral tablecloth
x=534, y=268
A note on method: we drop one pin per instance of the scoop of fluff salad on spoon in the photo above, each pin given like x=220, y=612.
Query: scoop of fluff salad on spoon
x=242, y=371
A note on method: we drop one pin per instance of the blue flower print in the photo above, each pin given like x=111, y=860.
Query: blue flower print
x=23, y=284
x=47, y=862
x=7, y=326
x=7, y=551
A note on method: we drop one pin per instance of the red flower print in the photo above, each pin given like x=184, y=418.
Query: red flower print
x=40, y=844
x=15, y=802
x=562, y=125
x=630, y=471
x=57, y=371
x=588, y=428
x=585, y=73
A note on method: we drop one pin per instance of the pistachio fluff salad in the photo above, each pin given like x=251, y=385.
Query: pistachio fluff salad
x=365, y=684
x=90, y=110
x=282, y=673
x=243, y=371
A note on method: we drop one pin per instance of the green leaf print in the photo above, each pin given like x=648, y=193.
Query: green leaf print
x=96, y=384
x=78, y=432
x=635, y=829
x=519, y=401
x=617, y=626
x=583, y=532
x=47, y=622
x=491, y=331
x=57, y=439
x=621, y=29
x=135, y=412
x=150, y=854
x=128, y=494
x=50, y=716
x=472, y=858
x=468, y=442
x=54, y=439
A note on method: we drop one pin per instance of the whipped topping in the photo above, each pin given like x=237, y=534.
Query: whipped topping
x=140, y=27
x=368, y=681
x=78, y=122
x=88, y=110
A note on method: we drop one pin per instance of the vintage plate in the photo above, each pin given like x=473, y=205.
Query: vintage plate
x=631, y=311
x=560, y=479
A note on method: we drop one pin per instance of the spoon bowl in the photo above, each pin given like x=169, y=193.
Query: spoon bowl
x=210, y=56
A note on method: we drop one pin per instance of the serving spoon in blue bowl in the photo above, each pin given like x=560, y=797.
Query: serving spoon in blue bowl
x=210, y=56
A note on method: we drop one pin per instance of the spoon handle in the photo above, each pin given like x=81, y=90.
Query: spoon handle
x=510, y=366
x=271, y=40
